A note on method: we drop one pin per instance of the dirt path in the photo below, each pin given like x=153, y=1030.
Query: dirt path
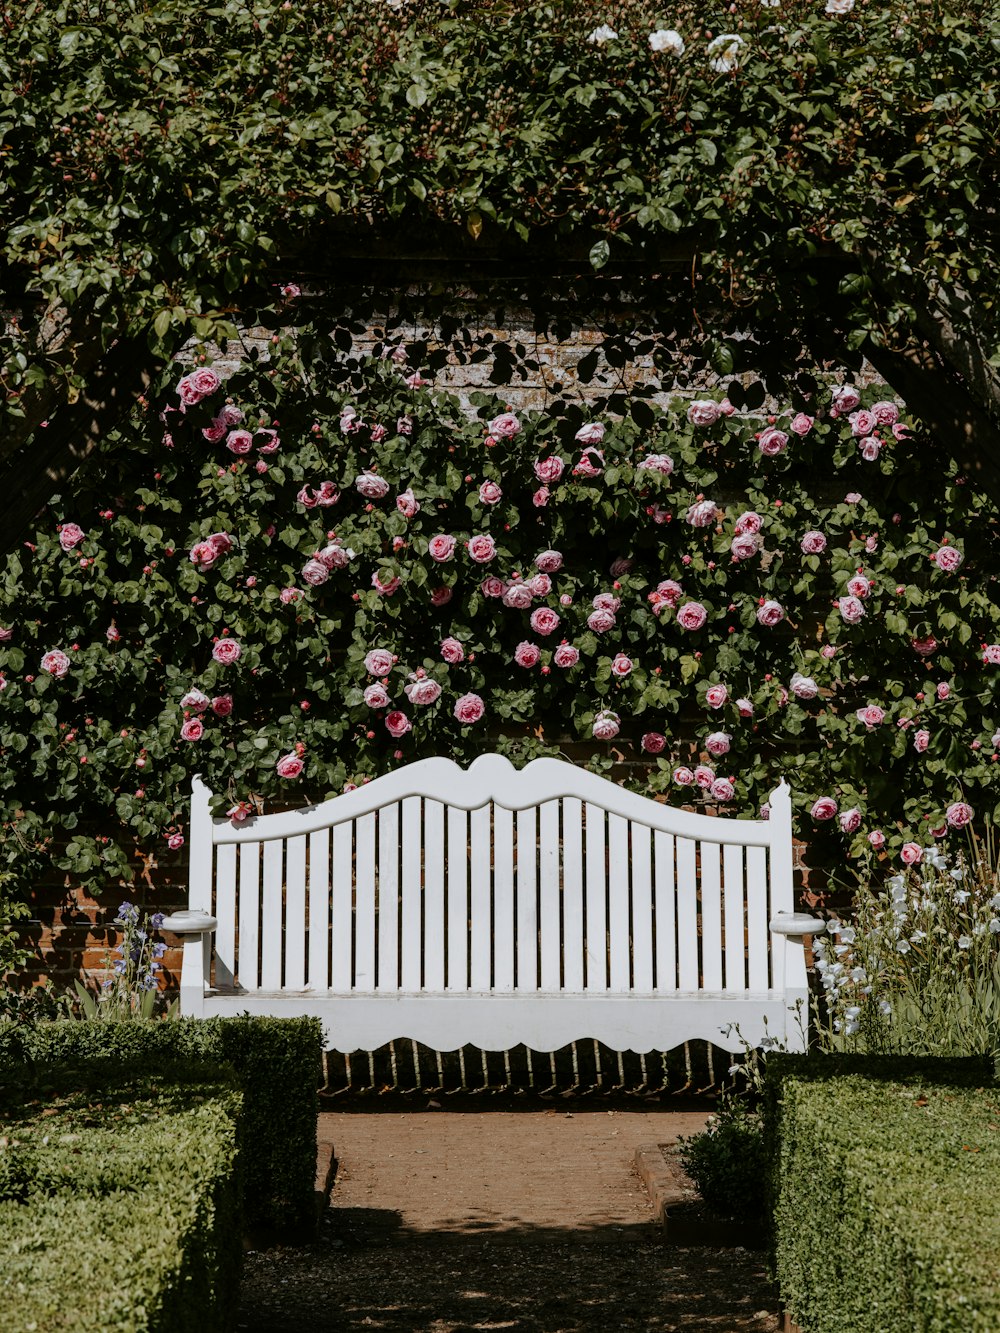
x=534, y=1222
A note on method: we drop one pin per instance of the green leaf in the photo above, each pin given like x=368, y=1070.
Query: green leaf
x=600, y=252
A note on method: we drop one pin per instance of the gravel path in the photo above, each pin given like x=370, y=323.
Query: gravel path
x=534, y=1222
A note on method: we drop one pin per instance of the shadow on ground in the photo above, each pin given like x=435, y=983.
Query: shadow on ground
x=368, y=1272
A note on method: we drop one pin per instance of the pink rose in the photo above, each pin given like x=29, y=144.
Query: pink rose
x=335, y=556
x=422, y=690
x=704, y=776
x=397, y=724
x=772, y=442
x=958, y=814
x=726, y=408
x=911, y=853
x=925, y=647
x=850, y=820
x=404, y=425
x=852, y=498
x=946, y=558
x=991, y=654
x=942, y=689
x=653, y=742
x=606, y=726
x=239, y=812
x=227, y=651
x=716, y=696
x=481, y=548
x=659, y=514
x=566, y=655
x=377, y=696
x=441, y=596
x=196, y=701
x=230, y=415
x=587, y=467
x=490, y=493
x=722, y=789
x=541, y=497
x=544, y=620
x=470, y=708
x=886, y=414
x=307, y=498
x=683, y=777
x=670, y=592
x=505, y=426
x=770, y=613
x=416, y=381
x=876, y=839
x=549, y=562
x=813, y=543
x=204, y=555
x=111, y=634
x=851, y=609
x=56, y=663
x=870, y=448
x=379, y=662
x=765, y=811
x=407, y=503
x=70, y=535
x=198, y=385
x=222, y=705
x=744, y=546
x=803, y=687
x=493, y=587
x=845, y=398
x=871, y=716
x=621, y=666
x=824, y=808
x=239, y=442
x=590, y=434
x=601, y=620
x=900, y=432
x=549, y=469
x=692, y=615
x=527, y=654
x=859, y=586
x=272, y=444
x=452, y=651
x=315, y=572
x=175, y=840
x=192, y=730
x=801, y=424
x=921, y=740
x=701, y=514
x=441, y=547
x=862, y=422
x=540, y=585
x=7, y=634
x=661, y=463
x=372, y=486
x=744, y=707
x=289, y=766
x=378, y=434
x=717, y=743
x=748, y=523
x=828, y=651
x=518, y=596
x=606, y=601
x=703, y=412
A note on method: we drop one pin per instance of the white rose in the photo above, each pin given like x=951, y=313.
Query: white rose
x=602, y=34
x=839, y=6
x=724, y=52
x=665, y=39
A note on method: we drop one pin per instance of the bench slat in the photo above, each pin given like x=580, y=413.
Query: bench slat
x=597, y=908
x=225, y=911
x=711, y=917
x=388, y=898
x=572, y=894
x=319, y=909
x=410, y=935
x=364, y=904
x=618, y=904
x=295, y=913
x=687, y=914
x=503, y=899
x=434, y=922
x=458, y=899
x=642, y=909
x=480, y=886
x=249, y=913
x=734, y=924
x=271, y=914
x=549, y=923
x=341, y=915
x=665, y=909
x=757, y=935
x=527, y=901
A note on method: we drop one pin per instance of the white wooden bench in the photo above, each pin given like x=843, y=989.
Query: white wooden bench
x=491, y=907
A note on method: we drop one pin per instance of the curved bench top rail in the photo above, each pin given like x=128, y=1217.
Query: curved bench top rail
x=492, y=777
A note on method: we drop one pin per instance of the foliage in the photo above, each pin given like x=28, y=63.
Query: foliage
x=276, y=1061
x=12, y=910
x=727, y=1161
x=129, y=989
x=872, y=1171
x=211, y=600
x=158, y=158
x=918, y=971
x=33, y=1003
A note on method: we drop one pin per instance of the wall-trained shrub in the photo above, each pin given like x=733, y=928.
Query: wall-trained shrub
x=885, y=1208
x=120, y=1198
x=278, y=1065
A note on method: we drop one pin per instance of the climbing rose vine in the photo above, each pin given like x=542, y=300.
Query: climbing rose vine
x=304, y=575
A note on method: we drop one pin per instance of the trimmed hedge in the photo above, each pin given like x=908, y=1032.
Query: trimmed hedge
x=886, y=1213
x=120, y=1200
x=278, y=1063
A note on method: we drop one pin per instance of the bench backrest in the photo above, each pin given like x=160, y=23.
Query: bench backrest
x=547, y=879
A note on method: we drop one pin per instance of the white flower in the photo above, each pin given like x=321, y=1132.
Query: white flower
x=724, y=51
x=847, y=935
x=858, y=974
x=897, y=887
x=965, y=941
x=838, y=6
x=885, y=1006
x=665, y=39
x=961, y=896
x=602, y=34
x=995, y=926
x=959, y=873
x=918, y=936
x=994, y=902
x=903, y=946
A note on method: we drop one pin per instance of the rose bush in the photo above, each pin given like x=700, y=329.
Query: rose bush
x=471, y=618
